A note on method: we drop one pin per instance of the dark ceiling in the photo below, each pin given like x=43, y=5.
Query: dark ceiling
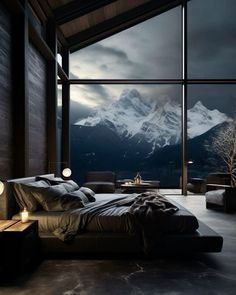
x=83, y=22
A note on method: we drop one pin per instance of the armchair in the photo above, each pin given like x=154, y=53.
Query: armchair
x=100, y=181
x=222, y=198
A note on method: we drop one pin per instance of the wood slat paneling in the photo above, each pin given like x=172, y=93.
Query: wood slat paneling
x=98, y=16
x=37, y=113
x=6, y=152
x=56, y=3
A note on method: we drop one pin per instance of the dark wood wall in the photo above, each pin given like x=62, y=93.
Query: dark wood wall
x=37, y=113
x=10, y=114
x=6, y=131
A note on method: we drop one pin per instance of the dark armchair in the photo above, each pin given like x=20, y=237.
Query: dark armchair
x=101, y=181
x=224, y=198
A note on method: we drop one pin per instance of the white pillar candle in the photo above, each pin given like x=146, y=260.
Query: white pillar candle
x=1, y=187
x=24, y=216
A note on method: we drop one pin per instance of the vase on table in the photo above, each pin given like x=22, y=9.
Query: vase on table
x=137, y=179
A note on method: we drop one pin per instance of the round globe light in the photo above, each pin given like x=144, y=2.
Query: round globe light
x=1, y=187
x=66, y=172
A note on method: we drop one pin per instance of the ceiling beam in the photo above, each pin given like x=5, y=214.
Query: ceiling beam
x=50, y=15
x=46, y=8
x=61, y=73
x=119, y=23
x=61, y=38
x=38, y=11
x=78, y=8
x=40, y=44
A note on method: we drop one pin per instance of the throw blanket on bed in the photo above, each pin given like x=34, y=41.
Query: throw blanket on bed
x=149, y=206
x=150, y=211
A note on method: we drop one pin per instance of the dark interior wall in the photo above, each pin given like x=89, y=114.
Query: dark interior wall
x=6, y=132
x=37, y=113
x=37, y=104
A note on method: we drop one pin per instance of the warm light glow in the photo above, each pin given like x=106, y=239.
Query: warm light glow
x=1, y=187
x=24, y=216
x=66, y=172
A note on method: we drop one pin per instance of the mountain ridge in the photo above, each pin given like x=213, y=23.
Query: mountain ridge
x=159, y=124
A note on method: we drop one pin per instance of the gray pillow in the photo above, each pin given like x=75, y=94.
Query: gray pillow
x=80, y=195
x=23, y=194
x=72, y=186
x=88, y=193
x=51, y=179
x=56, y=198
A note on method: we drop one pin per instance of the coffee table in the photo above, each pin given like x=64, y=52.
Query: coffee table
x=141, y=187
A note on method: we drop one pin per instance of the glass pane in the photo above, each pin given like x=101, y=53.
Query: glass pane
x=127, y=129
x=211, y=109
x=211, y=39
x=148, y=50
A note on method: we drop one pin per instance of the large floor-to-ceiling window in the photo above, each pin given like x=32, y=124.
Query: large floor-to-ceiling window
x=128, y=110
x=211, y=86
x=123, y=125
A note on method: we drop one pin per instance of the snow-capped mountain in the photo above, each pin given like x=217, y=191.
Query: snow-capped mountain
x=131, y=116
x=201, y=119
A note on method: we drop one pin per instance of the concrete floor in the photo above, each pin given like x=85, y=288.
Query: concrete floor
x=192, y=274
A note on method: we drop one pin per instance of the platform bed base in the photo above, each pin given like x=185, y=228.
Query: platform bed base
x=204, y=240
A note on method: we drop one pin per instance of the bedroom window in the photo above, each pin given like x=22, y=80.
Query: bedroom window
x=211, y=91
x=147, y=61
x=149, y=50
x=127, y=128
x=211, y=39
x=118, y=124
x=211, y=109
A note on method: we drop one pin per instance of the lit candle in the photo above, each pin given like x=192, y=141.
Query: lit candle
x=1, y=187
x=24, y=216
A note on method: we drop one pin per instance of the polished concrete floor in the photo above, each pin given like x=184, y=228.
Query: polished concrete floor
x=186, y=274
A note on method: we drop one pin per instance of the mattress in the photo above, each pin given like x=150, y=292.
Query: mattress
x=112, y=220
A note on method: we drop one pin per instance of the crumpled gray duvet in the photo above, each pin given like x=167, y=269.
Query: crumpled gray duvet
x=149, y=213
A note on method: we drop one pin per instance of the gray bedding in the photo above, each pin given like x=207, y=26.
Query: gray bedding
x=103, y=216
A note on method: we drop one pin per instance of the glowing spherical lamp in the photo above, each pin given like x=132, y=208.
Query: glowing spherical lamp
x=66, y=172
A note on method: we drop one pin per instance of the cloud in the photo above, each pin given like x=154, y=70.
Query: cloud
x=91, y=95
x=104, y=50
x=146, y=51
x=212, y=39
x=73, y=76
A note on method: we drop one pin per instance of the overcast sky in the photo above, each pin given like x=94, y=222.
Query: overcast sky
x=152, y=49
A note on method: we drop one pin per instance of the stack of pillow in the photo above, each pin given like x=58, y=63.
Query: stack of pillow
x=52, y=194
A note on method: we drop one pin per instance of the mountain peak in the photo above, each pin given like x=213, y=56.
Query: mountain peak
x=131, y=100
x=130, y=93
x=199, y=105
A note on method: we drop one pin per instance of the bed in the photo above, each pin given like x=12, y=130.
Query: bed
x=113, y=233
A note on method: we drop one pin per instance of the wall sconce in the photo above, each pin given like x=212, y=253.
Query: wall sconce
x=60, y=168
x=1, y=187
x=66, y=172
